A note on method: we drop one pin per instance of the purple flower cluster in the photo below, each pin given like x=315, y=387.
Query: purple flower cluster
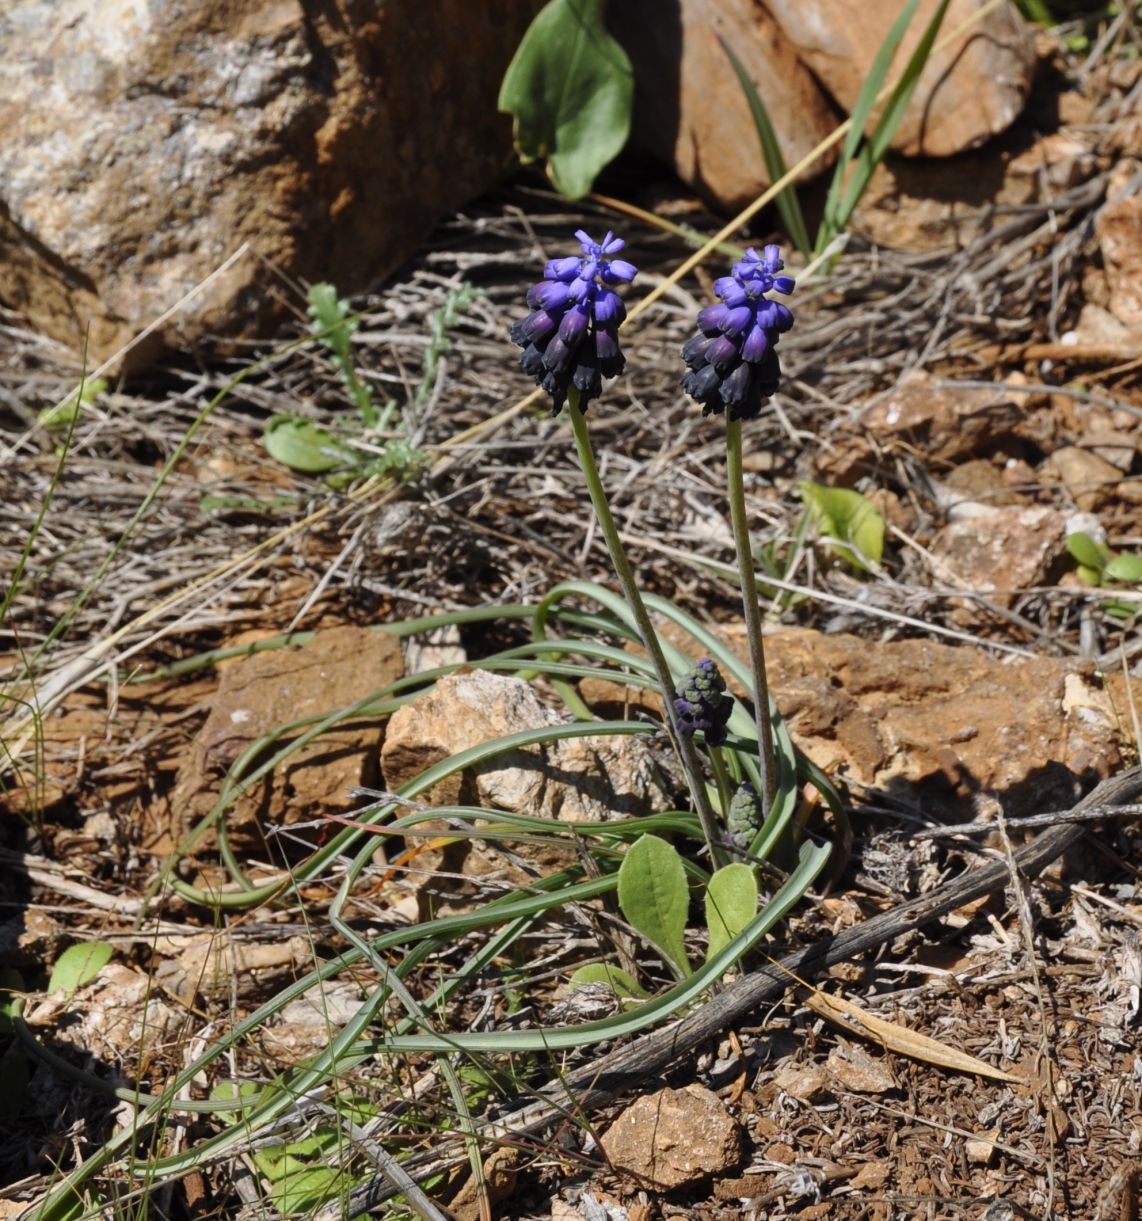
x=701, y=703
x=733, y=360
x=570, y=339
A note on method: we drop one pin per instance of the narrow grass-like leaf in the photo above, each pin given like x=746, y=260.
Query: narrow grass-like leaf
x=788, y=205
x=654, y=897
x=882, y=135
x=569, y=87
x=731, y=903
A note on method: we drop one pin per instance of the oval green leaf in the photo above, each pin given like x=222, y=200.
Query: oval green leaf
x=731, y=903
x=1125, y=568
x=79, y=965
x=618, y=980
x=302, y=445
x=1085, y=551
x=654, y=897
x=569, y=88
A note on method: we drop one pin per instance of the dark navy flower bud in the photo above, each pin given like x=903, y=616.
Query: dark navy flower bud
x=701, y=703
x=571, y=337
x=733, y=362
x=743, y=821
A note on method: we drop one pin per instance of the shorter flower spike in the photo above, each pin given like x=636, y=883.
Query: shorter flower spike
x=571, y=336
x=743, y=820
x=733, y=359
x=701, y=703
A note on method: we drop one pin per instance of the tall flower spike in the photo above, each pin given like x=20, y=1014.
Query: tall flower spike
x=744, y=818
x=571, y=337
x=733, y=359
x=701, y=703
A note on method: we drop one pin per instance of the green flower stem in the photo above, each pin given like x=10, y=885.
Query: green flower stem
x=735, y=486
x=722, y=780
x=683, y=745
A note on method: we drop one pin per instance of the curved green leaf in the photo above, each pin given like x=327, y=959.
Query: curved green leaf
x=569, y=88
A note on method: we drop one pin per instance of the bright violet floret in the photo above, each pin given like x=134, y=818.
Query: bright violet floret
x=570, y=339
x=733, y=360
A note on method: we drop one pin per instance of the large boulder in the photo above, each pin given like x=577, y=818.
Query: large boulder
x=142, y=144
x=689, y=108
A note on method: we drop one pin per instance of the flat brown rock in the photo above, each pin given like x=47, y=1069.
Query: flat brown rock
x=260, y=693
x=675, y=1138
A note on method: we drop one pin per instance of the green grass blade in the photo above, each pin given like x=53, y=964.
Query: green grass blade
x=884, y=131
x=788, y=205
x=831, y=225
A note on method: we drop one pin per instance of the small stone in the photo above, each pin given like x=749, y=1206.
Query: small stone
x=980, y=1150
x=1089, y=479
x=998, y=551
x=674, y=1138
x=853, y=1069
x=1119, y=229
x=804, y=1082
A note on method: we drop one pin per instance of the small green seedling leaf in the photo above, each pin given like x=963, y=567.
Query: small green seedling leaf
x=1125, y=568
x=60, y=416
x=331, y=322
x=619, y=982
x=79, y=965
x=731, y=903
x=1085, y=551
x=654, y=897
x=303, y=446
x=11, y=1000
x=569, y=89
x=851, y=519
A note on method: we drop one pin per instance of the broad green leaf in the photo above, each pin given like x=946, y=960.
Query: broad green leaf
x=619, y=982
x=731, y=903
x=654, y=897
x=79, y=965
x=302, y=445
x=1126, y=568
x=1087, y=552
x=850, y=518
x=569, y=88
x=788, y=205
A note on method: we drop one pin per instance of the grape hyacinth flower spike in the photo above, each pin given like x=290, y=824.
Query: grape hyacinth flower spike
x=733, y=359
x=570, y=340
x=744, y=818
x=701, y=703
